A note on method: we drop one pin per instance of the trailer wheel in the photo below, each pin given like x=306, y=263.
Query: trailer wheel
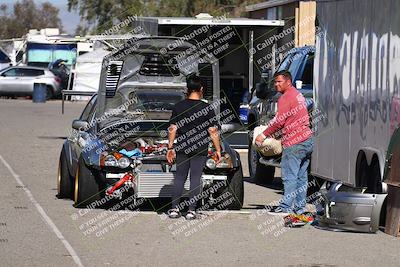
x=87, y=189
x=368, y=176
x=374, y=182
x=361, y=170
x=64, y=179
x=259, y=173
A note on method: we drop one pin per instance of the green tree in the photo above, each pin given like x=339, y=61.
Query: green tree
x=26, y=15
x=100, y=15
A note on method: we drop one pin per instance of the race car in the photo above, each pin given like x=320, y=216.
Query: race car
x=117, y=148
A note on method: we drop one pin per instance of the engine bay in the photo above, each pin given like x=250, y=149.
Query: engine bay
x=144, y=147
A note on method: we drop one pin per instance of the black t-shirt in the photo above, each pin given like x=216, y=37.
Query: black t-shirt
x=193, y=118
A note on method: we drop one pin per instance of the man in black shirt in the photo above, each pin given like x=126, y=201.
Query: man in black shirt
x=194, y=124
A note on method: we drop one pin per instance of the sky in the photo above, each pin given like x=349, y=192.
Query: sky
x=70, y=20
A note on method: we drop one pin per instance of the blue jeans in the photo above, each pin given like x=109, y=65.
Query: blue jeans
x=294, y=164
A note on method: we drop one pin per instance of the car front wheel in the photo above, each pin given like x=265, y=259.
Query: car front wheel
x=87, y=189
x=233, y=194
x=64, y=179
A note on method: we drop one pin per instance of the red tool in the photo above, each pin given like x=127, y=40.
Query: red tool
x=125, y=178
x=295, y=220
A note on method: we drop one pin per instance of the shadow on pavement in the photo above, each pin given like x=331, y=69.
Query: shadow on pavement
x=275, y=185
x=53, y=137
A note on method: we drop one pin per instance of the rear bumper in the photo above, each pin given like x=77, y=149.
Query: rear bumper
x=349, y=209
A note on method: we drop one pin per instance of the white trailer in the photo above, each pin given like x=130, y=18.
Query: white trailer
x=357, y=80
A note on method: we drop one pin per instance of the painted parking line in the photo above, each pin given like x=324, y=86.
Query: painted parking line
x=45, y=217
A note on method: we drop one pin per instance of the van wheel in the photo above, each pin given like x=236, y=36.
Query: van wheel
x=87, y=189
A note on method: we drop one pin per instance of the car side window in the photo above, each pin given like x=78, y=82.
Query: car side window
x=10, y=73
x=307, y=76
x=87, y=111
x=31, y=72
x=93, y=110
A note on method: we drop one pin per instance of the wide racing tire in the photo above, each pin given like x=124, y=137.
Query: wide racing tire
x=233, y=194
x=64, y=179
x=87, y=189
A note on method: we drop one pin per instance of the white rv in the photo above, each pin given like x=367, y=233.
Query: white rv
x=357, y=80
x=40, y=47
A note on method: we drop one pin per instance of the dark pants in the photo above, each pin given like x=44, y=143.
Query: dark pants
x=183, y=164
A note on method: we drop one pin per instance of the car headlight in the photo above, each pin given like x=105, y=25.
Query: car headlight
x=115, y=160
x=110, y=161
x=124, y=162
x=211, y=164
x=224, y=163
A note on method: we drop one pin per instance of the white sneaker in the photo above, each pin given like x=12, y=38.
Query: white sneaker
x=174, y=213
x=278, y=211
x=191, y=215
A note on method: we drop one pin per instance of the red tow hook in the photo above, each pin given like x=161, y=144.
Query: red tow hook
x=118, y=184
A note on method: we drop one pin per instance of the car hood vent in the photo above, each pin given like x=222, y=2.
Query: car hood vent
x=113, y=74
x=157, y=65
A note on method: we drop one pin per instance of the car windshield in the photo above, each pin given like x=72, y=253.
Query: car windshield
x=285, y=63
x=154, y=100
x=147, y=101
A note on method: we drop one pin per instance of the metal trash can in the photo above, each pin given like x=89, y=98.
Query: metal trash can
x=39, y=93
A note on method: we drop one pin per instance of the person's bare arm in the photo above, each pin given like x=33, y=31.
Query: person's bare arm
x=213, y=131
x=171, y=138
x=274, y=125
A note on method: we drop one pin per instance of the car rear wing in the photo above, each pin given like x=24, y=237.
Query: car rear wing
x=65, y=93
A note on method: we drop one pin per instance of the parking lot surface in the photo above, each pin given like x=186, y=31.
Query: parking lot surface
x=37, y=229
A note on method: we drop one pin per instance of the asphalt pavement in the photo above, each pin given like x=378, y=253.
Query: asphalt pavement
x=37, y=229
